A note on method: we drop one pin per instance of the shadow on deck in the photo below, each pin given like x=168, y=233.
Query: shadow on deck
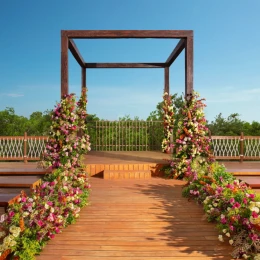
x=138, y=219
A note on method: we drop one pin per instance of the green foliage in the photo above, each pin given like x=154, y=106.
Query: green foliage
x=233, y=125
x=30, y=247
x=14, y=125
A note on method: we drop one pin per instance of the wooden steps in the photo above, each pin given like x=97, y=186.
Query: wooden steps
x=14, y=180
x=19, y=181
x=22, y=172
x=126, y=170
x=7, y=199
x=127, y=174
x=252, y=181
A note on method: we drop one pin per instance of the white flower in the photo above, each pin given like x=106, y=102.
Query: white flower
x=231, y=242
x=25, y=213
x=220, y=238
x=245, y=256
x=2, y=234
x=228, y=234
x=257, y=257
x=224, y=231
x=253, y=208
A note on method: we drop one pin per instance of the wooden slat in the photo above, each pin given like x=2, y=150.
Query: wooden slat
x=19, y=181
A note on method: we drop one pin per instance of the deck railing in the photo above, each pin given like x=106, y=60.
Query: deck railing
x=126, y=135
x=236, y=147
x=129, y=136
x=18, y=148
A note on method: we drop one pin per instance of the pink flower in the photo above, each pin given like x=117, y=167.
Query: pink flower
x=236, y=205
x=232, y=200
x=254, y=214
x=40, y=223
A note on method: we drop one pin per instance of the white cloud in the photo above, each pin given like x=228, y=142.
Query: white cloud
x=13, y=95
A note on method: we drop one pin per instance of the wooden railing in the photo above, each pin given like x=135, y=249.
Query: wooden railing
x=126, y=135
x=129, y=136
x=18, y=148
x=236, y=147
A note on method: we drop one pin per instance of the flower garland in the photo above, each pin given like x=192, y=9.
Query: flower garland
x=168, y=122
x=31, y=222
x=64, y=146
x=191, y=140
x=233, y=206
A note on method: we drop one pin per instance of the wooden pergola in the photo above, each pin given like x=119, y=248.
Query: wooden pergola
x=185, y=43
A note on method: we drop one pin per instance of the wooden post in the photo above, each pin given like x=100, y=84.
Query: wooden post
x=241, y=147
x=25, y=148
x=188, y=66
x=83, y=78
x=166, y=80
x=64, y=64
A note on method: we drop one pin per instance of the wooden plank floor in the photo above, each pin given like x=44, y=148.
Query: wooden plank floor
x=138, y=220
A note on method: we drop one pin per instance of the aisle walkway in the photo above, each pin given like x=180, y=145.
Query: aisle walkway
x=138, y=220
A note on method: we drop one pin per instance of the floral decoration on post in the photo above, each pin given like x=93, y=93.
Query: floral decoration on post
x=191, y=139
x=168, y=122
x=57, y=202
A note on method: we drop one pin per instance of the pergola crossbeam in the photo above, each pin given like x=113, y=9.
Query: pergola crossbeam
x=124, y=34
x=176, y=52
x=75, y=52
x=124, y=65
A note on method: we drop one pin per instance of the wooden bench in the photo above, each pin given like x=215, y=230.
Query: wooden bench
x=20, y=181
x=8, y=199
x=22, y=172
x=252, y=181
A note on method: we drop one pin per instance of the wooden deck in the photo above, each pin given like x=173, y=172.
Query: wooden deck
x=138, y=219
x=133, y=218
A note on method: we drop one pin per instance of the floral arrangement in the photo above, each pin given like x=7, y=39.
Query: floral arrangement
x=233, y=206
x=191, y=139
x=64, y=146
x=30, y=223
x=168, y=122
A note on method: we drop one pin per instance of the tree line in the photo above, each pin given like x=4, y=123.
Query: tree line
x=38, y=123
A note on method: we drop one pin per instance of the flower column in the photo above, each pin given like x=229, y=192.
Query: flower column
x=168, y=123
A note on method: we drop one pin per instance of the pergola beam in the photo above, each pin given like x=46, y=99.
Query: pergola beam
x=124, y=65
x=176, y=52
x=186, y=42
x=124, y=34
x=75, y=52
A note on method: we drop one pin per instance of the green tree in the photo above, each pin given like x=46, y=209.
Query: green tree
x=11, y=124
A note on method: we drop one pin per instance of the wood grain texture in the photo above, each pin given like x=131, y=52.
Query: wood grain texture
x=150, y=65
x=121, y=34
x=138, y=219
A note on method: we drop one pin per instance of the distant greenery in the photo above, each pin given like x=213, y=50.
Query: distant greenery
x=13, y=125
x=233, y=125
x=39, y=122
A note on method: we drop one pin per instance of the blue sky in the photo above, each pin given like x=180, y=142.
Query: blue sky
x=226, y=54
